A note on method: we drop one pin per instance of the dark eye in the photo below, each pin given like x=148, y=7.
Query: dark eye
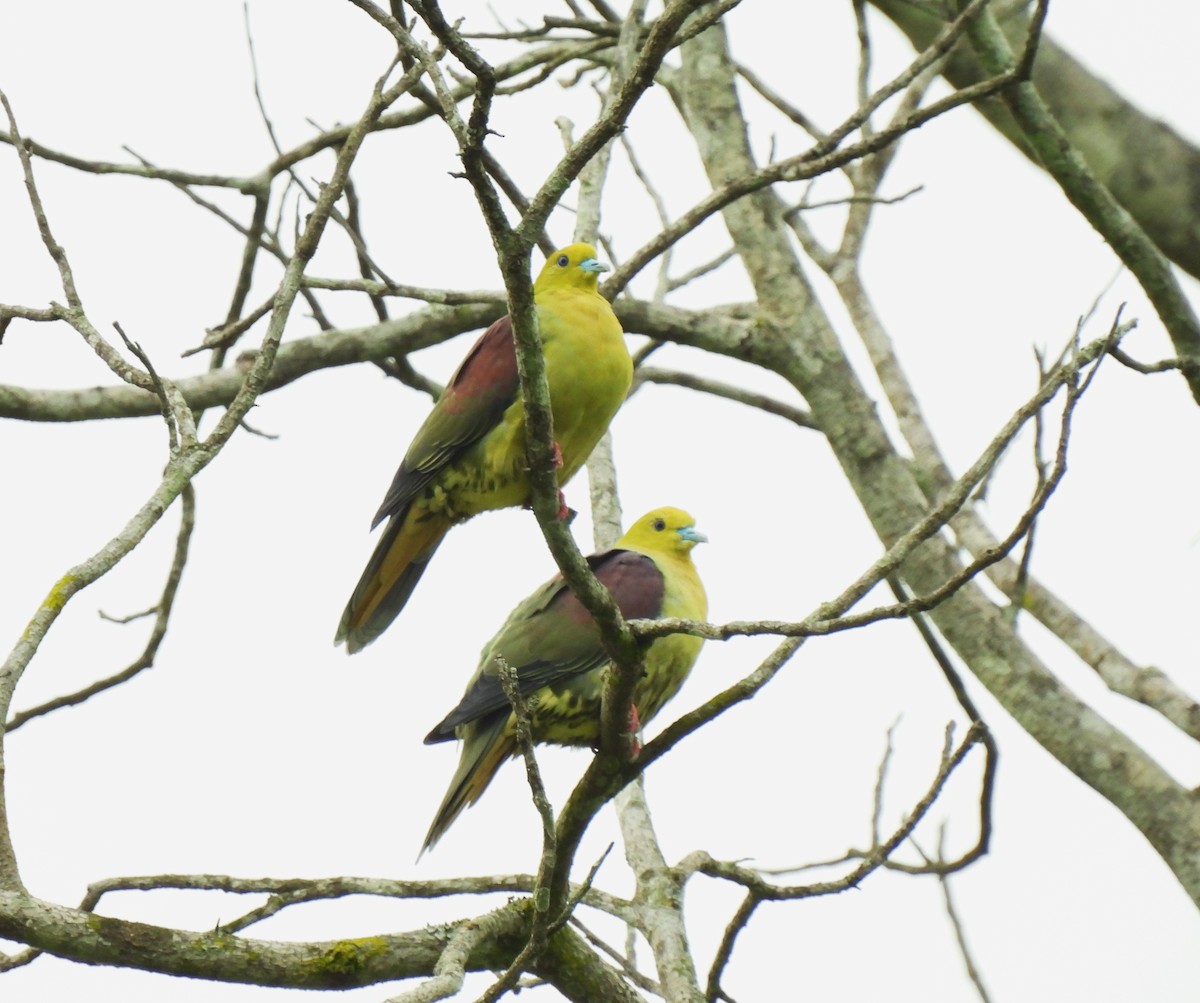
x=563, y=261
x=659, y=525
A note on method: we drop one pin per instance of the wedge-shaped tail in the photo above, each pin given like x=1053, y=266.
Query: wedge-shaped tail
x=484, y=752
x=400, y=559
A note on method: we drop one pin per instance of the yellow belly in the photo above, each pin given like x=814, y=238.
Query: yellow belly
x=569, y=713
x=589, y=371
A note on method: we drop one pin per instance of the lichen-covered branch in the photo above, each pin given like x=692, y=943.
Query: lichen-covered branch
x=398, y=336
x=162, y=617
x=795, y=332
x=1151, y=169
x=1114, y=223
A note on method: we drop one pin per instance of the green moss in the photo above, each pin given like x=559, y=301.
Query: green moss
x=57, y=599
x=58, y=596
x=342, y=963
x=223, y=942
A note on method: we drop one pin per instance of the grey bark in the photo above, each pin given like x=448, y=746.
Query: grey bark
x=1150, y=169
x=795, y=339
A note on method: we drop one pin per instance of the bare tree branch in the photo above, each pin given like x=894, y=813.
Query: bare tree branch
x=1092, y=199
x=162, y=616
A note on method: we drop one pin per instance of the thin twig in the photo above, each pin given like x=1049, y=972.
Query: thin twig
x=936, y=865
x=162, y=611
x=542, y=920
x=666, y=377
x=759, y=889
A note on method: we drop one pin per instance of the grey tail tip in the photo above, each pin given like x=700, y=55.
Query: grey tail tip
x=446, y=816
x=431, y=840
x=352, y=639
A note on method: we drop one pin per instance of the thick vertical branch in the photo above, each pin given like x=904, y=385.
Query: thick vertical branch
x=1098, y=206
x=1149, y=167
x=659, y=898
x=797, y=341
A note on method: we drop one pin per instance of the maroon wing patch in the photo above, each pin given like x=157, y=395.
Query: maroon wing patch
x=633, y=579
x=561, y=640
x=479, y=392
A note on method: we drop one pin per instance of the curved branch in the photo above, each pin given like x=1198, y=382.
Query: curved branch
x=666, y=377
x=827, y=154
x=809, y=357
x=1098, y=206
x=162, y=611
x=1151, y=169
x=188, y=457
x=554, y=54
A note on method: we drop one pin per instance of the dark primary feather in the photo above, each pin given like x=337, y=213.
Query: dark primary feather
x=534, y=643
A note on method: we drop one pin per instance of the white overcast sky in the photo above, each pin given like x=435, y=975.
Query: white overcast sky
x=256, y=748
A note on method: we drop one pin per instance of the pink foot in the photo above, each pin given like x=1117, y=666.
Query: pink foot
x=635, y=726
x=565, y=513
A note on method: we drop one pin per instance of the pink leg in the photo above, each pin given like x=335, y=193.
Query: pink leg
x=635, y=725
x=564, y=511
